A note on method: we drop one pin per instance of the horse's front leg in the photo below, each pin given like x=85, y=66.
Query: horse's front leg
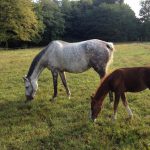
x=63, y=78
x=111, y=98
x=55, y=78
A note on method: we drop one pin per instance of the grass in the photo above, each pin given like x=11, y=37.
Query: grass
x=64, y=125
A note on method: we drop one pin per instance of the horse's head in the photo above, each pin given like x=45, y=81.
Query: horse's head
x=31, y=87
x=95, y=108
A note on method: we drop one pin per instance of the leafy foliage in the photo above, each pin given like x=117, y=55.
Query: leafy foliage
x=113, y=22
x=145, y=20
x=17, y=20
x=42, y=21
x=98, y=2
x=50, y=14
x=145, y=10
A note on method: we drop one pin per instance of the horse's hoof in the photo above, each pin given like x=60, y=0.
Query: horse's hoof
x=95, y=120
x=27, y=101
x=111, y=104
x=129, y=118
x=69, y=96
x=52, y=100
x=114, y=118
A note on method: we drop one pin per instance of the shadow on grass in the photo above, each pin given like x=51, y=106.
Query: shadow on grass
x=38, y=125
x=14, y=112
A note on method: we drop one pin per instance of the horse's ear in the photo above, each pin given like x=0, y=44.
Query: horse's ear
x=92, y=97
x=25, y=78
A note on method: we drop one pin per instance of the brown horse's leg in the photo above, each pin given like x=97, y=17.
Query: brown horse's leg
x=125, y=103
x=63, y=78
x=111, y=97
x=116, y=102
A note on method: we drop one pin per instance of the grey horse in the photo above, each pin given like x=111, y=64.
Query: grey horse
x=61, y=57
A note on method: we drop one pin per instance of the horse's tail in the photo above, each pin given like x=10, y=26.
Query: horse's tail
x=110, y=46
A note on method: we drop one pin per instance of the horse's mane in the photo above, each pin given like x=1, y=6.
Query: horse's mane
x=35, y=62
x=103, y=88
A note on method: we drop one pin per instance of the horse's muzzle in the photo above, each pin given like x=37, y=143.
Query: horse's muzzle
x=91, y=117
x=29, y=98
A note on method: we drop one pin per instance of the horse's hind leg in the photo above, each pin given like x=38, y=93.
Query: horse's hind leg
x=63, y=78
x=55, y=77
x=125, y=103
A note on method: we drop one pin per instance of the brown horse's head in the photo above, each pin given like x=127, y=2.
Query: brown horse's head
x=95, y=108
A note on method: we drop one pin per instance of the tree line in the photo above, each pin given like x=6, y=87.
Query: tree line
x=29, y=23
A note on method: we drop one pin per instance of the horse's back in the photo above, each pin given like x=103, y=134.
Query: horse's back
x=93, y=44
x=67, y=56
x=77, y=56
x=134, y=79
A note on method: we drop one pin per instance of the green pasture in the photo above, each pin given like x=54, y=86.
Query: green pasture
x=65, y=124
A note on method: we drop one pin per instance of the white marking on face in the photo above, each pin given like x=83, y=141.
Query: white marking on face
x=90, y=114
x=30, y=90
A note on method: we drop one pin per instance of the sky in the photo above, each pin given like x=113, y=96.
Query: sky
x=135, y=5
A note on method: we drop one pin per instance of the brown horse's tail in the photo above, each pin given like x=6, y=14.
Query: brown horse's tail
x=102, y=90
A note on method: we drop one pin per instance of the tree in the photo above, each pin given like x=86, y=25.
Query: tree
x=112, y=22
x=98, y=2
x=50, y=14
x=74, y=15
x=18, y=22
x=145, y=20
x=145, y=10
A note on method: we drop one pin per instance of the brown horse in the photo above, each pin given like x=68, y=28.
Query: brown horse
x=120, y=81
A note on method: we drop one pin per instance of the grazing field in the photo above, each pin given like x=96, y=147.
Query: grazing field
x=64, y=125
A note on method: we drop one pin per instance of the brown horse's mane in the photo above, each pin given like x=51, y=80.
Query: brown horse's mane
x=103, y=88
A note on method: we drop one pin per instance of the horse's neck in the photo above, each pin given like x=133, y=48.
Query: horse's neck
x=37, y=71
x=102, y=91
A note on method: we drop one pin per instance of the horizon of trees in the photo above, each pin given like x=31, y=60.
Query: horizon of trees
x=28, y=23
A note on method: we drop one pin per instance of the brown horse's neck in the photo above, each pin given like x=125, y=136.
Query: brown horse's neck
x=102, y=91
